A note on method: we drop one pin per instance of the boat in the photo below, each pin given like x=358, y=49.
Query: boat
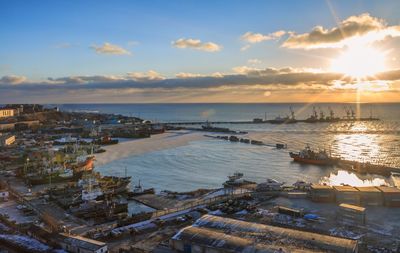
x=269, y=185
x=309, y=156
x=105, y=140
x=114, y=185
x=83, y=166
x=91, y=209
x=236, y=180
x=54, y=176
x=138, y=190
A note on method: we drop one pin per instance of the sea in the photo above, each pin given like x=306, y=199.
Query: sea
x=206, y=163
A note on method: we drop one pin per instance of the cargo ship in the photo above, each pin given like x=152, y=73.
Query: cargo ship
x=309, y=156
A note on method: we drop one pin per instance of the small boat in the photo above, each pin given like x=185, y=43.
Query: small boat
x=236, y=180
x=105, y=140
x=269, y=185
x=138, y=190
x=309, y=156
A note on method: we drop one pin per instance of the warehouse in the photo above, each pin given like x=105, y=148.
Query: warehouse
x=249, y=232
x=321, y=193
x=351, y=214
x=347, y=194
x=391, y=196
x=370, y=196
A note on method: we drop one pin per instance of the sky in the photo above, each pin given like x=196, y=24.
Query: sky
x=199, y=51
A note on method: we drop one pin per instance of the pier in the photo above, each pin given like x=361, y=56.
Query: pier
x=287, y=121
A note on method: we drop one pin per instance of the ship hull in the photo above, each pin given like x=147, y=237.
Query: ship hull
x=324, y=162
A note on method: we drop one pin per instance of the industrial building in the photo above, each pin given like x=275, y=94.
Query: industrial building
x=370, y=196
x=391, y=196
x=79, y=244
x=322, y=193
x=347, y=194
x=213, y=234
x=351, y=214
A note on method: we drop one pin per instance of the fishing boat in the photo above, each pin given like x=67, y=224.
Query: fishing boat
x=309, y=156
x=138, y=190
x=55, y=175
x=105, y=140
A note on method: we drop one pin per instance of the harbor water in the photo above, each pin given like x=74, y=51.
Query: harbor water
x=206, y=163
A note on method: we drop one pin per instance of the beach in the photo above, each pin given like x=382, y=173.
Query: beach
x=128, y=148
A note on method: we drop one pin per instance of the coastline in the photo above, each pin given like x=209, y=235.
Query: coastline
x=167, y=140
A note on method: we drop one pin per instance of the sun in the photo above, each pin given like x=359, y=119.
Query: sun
x=359, y=61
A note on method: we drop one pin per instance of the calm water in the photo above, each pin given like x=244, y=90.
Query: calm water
x=206, y=163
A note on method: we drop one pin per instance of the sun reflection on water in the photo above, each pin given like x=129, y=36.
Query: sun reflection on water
x=349, y=178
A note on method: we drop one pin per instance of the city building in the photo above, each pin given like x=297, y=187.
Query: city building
x=79, y=244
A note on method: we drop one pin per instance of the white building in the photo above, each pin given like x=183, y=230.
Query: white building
x=5, y=113
x=6, y=140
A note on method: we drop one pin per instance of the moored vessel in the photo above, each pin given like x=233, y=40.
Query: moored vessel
x=309, y=156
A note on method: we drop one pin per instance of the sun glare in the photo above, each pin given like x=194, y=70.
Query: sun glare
x=359, y=61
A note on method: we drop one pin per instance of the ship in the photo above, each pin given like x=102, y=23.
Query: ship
x=309, y=156
x=236, y=180
x=103, y=208
x=139, y=190
x=83, y=166
x=105, y=140
x=56, y=175
x=269, y=185
x=286, y=119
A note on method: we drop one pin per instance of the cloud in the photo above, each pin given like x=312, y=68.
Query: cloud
x=197, y=44
x=150, y=86
x=108, y=48
x=363, y=28
x=253, y=61
x=11, y=79
x=150, y=75
x=195, y=75
x=251, y=37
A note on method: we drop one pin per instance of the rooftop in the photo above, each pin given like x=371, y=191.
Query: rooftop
x=387, y=189
x=368, y=189
x=82, y=242
x=275, y=235
x=345, y=188
x=353, y=207
x=321, y=187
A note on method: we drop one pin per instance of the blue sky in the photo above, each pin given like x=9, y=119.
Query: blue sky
x=42, y=39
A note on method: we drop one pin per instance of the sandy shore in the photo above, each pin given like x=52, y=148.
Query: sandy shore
x=170, y=139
